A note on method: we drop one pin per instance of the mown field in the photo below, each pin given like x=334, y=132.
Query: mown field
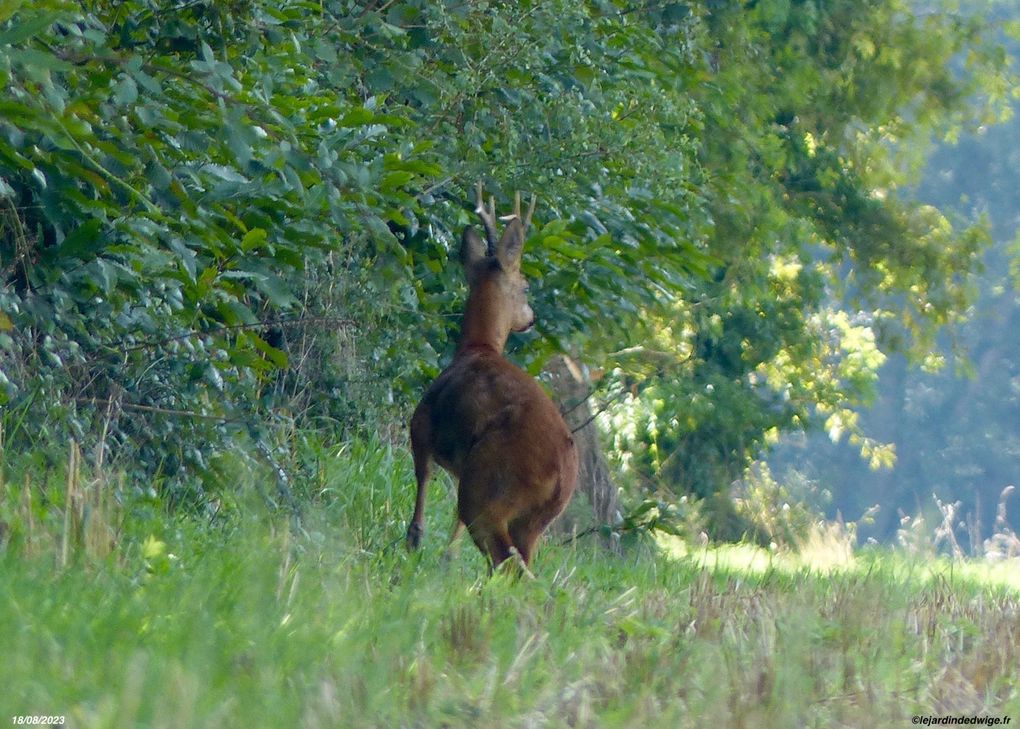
x=114, y=614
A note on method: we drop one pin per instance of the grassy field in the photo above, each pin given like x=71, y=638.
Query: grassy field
x=117, y=615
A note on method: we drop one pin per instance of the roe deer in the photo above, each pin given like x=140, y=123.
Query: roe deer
x=484, y=419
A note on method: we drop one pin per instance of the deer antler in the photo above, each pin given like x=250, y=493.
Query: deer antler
x=526, y=220
x=531, y=211
x=488, y=217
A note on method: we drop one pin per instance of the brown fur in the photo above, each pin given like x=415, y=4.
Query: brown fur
x=488, y=422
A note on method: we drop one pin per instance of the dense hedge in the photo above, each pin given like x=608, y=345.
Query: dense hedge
x=217, y=219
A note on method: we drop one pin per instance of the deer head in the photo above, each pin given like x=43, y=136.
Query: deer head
x=498, y=302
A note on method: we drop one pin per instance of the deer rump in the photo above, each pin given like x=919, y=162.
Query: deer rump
x=494, y=429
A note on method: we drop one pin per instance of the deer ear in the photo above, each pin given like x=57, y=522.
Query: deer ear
x=472, y=249
x=511, y=245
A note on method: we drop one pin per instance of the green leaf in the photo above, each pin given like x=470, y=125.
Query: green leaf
x=25, y=29
x=81, y=242
x=33, y=60
x=275, y=290
x=274, y=355
x=234, y=312
x=254, y=239
x=125, y=92
x=359, y=116
x=394, y=180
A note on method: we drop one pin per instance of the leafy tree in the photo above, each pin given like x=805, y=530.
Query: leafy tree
x=806, y=111
x=952, y=419
x=176, y=178
x=169, y=174
x=224, y=216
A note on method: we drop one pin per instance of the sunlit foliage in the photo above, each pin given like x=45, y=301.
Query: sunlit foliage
x=221, y=218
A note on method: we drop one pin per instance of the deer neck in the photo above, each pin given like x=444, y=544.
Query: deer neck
x=483, y=326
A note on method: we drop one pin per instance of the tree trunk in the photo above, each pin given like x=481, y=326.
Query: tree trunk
x=596, y=501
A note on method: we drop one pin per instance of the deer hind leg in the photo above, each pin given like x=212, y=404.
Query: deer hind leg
x=484, y=520
x=492, y=540
x=524, y=535
x=421, y=452
x=526, y=529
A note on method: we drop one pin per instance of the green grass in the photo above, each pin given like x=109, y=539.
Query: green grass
x=238, y=620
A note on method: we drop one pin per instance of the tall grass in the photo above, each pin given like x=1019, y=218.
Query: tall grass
x=243, y=617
